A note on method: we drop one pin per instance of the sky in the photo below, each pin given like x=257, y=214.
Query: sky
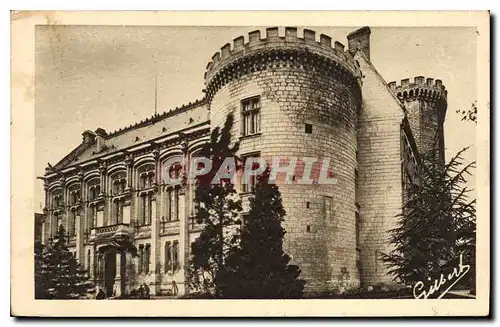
x=104, y=76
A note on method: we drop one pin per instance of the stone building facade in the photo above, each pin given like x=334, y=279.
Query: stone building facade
x=292, y=96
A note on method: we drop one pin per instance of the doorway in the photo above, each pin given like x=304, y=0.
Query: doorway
x=109, y=272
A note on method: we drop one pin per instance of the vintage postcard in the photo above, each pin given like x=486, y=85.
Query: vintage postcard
x=205, y=163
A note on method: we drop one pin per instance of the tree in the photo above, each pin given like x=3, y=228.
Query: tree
x=218, y=209
x=40, y=282
x=57, y=273
x=438, y=223
x=258, y=267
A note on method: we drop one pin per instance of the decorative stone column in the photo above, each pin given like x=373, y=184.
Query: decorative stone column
x=47, y=213
x=129, y=162
x=184, y=214
x=80, y=216
x=103, y=174
x=91, y=268
x=183, y=235
x=80, y=248
x=127, y=278
x=155, y=230
x=118, y=276
x=65, y=206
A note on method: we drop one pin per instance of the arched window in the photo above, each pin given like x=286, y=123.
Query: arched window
x=74, y=194
x=93, y=189
x=146, y=176
x=118, y=183
x=57, y=198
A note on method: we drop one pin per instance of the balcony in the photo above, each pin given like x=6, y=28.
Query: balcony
x=111, y=232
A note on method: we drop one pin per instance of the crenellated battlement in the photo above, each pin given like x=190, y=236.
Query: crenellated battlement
x=274, y=50
x=422, y=87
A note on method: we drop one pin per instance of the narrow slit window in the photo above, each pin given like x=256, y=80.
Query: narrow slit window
x=308, y=128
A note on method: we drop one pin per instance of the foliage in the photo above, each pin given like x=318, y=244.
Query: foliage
x=470, y=114
x=218, y=209
x=258, y=267
x=438, y=222
x=57, y=273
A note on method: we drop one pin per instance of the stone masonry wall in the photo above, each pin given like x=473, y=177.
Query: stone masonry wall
x=379, y=165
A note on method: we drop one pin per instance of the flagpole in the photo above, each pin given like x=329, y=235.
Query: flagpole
x=156, y=89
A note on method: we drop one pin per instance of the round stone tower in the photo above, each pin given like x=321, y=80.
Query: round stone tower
x=426, y=104
x=307, y=95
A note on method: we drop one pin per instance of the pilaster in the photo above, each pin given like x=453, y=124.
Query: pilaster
x=103, y=174
x=155, y=231
x=80, y=224
x=118, y=276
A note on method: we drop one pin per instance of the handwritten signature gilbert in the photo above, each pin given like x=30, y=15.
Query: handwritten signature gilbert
x=454, y=276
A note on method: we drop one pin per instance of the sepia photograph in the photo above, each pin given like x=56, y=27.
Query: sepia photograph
x=255, y=161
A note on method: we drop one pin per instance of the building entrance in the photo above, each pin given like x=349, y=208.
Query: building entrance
x=109, y=272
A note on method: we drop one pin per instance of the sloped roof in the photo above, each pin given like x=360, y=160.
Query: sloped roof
x=156, y=126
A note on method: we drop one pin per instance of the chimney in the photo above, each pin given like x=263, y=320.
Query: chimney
x=360, y=40
x=100, y=139
x=88, y=137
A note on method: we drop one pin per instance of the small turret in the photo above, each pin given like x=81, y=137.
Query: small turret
x=425, y=101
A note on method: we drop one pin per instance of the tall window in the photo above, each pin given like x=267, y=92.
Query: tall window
x=144, y=199
x=72, y=223
x=176, y=198
x=168, y=256
x=250, y=112
x=172, y=205
x=175, y=256
x=146, y=181
x=118, y=209
x=141, y=258
x=93, y=216
x=357, y=229
x=147, y=255
x=251, y=181
x=146, y=206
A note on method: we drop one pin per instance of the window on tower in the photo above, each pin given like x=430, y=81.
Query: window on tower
x=249, y=183
x=250, y=116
